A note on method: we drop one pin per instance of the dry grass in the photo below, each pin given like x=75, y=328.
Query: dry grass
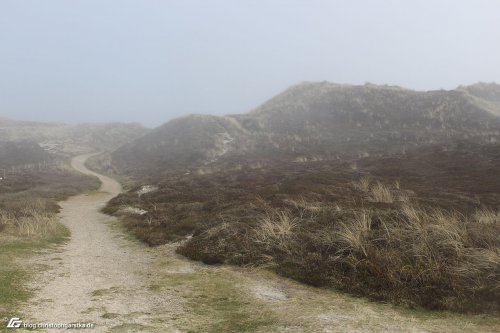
x=487, y=216
x=362, y=185
x=427, y=257
x=404, y=245
x=353, y=236
x=28, y=201
x=302, y=204
x=275, y=229
x=37, y=226
x=381, y=193
x=403, y=197
x=28, y=223
x=31, y=220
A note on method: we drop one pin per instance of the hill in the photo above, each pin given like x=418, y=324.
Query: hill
x=21, y=153
x=69, y=139
x=375, y=190
x=318, y=121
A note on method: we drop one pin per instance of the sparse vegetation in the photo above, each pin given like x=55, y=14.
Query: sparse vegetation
x=32, y=220
x=376, y=190
x=487, y=216
x=430, y=258
x=28, y=207
x=12, y=277
x=319, y=223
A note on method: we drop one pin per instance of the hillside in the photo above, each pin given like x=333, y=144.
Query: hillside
x=63, y=138
x=375, y=190
x=19, y=153
x=318, y=121
x=182, y=142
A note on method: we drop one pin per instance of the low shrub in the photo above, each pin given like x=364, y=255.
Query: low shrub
x=431, y=258
x=326, y=224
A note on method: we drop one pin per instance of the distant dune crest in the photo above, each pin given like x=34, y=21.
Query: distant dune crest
x=322, y=120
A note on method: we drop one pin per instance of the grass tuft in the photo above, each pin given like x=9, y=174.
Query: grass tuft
x=362, y=185
x=381, y=193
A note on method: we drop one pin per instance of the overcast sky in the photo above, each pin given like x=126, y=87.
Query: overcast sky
x=150, y=61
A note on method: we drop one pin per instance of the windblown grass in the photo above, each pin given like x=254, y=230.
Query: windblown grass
x=487, y=216
x=400, y=229
x=421, y=257
x=381, y=193
x=362, y=185
x=276, y=228
x=32, y=222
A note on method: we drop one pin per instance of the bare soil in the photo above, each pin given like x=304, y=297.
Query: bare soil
x=102, y=275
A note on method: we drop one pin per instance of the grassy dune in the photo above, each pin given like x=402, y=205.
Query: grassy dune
x=406, y=230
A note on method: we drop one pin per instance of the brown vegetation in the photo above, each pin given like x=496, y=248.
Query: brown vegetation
x=425, y=241
x=28, y=200
x=435, y=259
x=381, y=193
x=29, y=220
x=376, y=190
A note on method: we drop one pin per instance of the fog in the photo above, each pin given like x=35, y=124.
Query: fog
x=149, y=61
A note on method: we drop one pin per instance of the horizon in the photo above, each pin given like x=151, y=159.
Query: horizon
x=69, y=123
x=150, y=61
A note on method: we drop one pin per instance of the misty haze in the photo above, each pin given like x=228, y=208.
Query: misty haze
x=250, y=166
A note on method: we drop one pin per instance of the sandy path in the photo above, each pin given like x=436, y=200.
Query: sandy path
x=102, y=277
x=97, y=276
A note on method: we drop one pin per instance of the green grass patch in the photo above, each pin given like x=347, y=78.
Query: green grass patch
x=420, y=313
x=110, y=315
x=125, y=328
x=219, y=299
x=216, y=304
x=104, y=292
x=121, y=231
x=14, y=276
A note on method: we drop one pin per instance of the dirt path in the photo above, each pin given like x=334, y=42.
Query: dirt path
x=97, y=276
x=104, y=277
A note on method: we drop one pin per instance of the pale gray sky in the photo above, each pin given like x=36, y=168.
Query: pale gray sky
x=150, y=61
